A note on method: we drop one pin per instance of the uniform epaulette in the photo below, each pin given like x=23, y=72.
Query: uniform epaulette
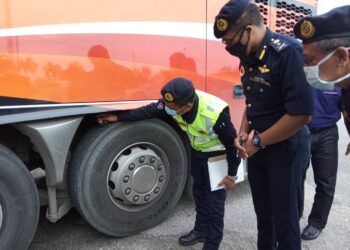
x=279, y=44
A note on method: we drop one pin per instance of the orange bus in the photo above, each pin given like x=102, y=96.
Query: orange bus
x=64, y=62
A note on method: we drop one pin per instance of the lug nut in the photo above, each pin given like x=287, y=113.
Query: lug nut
x=142, y=159
x=153, y=160
x=156, y=190
x=147, y=197
x=126, y=179
x=131, y=166
x=136, y=198
x=127, y=191
x=161, y=178
x=160, y=167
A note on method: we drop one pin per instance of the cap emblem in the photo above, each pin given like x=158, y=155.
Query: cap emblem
x=221, y=24
x=168, y=97
x=307, y=29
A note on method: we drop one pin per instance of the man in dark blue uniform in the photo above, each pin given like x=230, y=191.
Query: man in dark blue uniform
x=326, y=40
x=206, y=120
x=278, y=105
x=324, y=158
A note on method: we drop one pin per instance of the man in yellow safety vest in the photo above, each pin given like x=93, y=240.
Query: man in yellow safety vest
x=206, y=120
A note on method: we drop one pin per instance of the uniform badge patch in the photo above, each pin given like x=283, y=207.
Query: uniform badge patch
x=160, y=106
x=264, y=69
x=221, y=24
x=168, y=97
x=307, y=29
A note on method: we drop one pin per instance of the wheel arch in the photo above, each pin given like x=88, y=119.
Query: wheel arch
x=52, y=139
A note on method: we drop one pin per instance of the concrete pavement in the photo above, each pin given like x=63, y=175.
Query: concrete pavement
x=72, y=232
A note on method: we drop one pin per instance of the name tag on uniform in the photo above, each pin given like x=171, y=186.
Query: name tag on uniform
x=259, y=80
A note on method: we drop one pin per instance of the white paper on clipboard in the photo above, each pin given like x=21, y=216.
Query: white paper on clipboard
x=217, y=168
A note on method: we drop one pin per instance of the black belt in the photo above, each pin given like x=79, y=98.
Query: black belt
x=317, y=130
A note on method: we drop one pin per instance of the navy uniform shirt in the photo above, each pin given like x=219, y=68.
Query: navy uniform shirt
x=327, y=108
x=346, y=107
x=223, y=128
x=346, y=100
x=274, y=82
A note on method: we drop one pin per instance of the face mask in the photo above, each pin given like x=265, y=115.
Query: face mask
x=313, y=78
x=238, y=49
x=170, y=111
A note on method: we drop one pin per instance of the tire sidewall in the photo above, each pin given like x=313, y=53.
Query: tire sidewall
x=94, y=197
x=19, y=202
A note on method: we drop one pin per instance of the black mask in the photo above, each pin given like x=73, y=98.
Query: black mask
x=237, y=49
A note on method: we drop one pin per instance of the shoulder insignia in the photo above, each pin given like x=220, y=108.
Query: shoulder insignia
x=276, y=41
x=279, y=44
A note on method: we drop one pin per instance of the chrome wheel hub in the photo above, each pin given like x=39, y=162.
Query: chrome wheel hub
x=137, y=176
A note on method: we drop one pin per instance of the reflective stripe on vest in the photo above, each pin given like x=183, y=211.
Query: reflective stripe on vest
x=201, y=133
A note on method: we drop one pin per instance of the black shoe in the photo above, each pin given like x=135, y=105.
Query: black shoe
x=191, y=238
x=310, y=233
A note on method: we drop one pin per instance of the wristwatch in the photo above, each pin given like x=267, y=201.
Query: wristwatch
x=257, y=142
x=234, y=178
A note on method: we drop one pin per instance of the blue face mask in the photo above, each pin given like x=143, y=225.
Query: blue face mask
x=170, y=111
x=312, y=75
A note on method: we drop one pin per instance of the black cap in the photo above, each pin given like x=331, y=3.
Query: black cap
x=228, y=16
x=333, y=24
x=179, y=90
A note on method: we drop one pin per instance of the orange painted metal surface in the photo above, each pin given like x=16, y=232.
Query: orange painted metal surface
x=102, y=67
x=90, y=68
x=115, y=66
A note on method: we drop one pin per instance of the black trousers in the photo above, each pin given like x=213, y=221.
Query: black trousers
x=210, y=206
x=274, y=175
x=324, y=160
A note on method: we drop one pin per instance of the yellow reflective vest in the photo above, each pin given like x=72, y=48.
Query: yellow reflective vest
x=200, y=132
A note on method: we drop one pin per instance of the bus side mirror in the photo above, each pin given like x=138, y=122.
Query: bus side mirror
x=238, y=92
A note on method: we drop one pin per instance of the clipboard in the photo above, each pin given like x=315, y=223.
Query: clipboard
x=217, y=169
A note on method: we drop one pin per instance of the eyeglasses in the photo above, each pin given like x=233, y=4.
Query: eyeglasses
x=309, y=60
x=229, y=42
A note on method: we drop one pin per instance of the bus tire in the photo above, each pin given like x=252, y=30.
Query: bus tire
x=19, y=202
x=127, y=177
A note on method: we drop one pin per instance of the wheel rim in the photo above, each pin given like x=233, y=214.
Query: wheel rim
x=138, y=176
